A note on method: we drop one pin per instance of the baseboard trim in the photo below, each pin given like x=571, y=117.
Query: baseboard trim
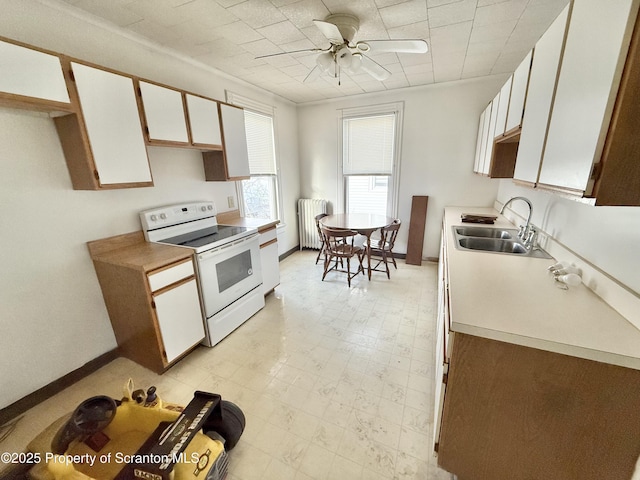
x=289, y=252
x=20, y=406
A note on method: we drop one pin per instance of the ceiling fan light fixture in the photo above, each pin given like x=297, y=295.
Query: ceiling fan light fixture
x=356, y=63
x=363, y=47
x=344, y=57
x=324, y=61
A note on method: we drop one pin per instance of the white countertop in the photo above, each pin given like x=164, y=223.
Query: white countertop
x=514, y=299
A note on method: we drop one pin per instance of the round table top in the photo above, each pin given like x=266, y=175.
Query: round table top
x=356, y=221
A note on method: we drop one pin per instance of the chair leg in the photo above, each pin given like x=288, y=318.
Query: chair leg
x=327, y=261
x=349, y=271
x=386, y=264
x=319, y=253
x=393, y=259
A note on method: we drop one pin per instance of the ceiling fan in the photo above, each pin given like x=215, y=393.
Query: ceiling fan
x=340, y=29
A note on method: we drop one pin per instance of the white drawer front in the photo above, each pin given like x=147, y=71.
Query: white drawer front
x=267, y=236
x=171, y=275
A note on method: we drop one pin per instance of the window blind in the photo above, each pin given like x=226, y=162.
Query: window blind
x=260, y=144
x=368, y=145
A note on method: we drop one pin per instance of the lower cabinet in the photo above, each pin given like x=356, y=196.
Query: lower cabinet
x=154, y=307
x=522, y=413
x=269, y=259
x=180, y=323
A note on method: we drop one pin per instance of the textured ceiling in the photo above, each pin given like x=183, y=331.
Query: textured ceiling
x=467, y=38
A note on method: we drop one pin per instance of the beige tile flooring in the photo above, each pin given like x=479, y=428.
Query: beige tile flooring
x=335, y=382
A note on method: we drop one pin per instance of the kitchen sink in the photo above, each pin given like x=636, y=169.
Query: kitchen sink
x=493, y=245
x=494, y=240
x=487, y=232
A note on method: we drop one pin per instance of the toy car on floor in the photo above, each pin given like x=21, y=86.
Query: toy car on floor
x=138, y=437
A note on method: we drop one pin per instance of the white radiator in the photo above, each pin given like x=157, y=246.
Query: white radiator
x=307, y=211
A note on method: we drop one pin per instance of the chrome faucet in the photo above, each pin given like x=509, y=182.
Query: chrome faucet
x=526, y=233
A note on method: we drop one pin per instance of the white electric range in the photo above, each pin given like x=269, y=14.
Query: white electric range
x=227, y=259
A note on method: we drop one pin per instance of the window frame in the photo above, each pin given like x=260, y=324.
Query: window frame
x=269, y=111
x=396, y=109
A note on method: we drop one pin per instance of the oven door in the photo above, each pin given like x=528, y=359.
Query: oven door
x=228, y=272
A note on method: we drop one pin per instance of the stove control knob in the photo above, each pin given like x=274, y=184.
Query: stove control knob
x=203, y=208
x=153, y=218
x=163, y=216
x=209, y=207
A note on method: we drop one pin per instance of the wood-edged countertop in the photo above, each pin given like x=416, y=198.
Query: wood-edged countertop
x=133, y=251
x=514, y=299
x=233, y=218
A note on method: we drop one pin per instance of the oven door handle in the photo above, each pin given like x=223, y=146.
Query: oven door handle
x=219, y=250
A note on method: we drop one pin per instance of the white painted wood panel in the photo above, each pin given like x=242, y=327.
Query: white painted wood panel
x=544, y=72
x=479, y=143
x=486, y=164
x=503, y=107
x=235, y=141
x=204, y=120
x=518, y=93
x=180, y=319
x=164, y=113
x=110, y=111
x=486, y=120
x=270, y=264
x=163, y=278
x=31, y=73
x=581, y=112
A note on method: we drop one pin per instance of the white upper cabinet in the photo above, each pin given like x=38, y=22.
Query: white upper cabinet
x=503, y=108
x=31, y=73
x=480, y=141
x=204, y=121
x=488, y=153
x=163, y=113
x=518, y=94
x=596, y=47
x=110, y=114
x=235, y=141
x=544, y=72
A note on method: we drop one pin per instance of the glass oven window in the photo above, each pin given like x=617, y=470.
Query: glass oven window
x=234, y=270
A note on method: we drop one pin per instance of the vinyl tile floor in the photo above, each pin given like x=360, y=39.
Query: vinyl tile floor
x=335, y=382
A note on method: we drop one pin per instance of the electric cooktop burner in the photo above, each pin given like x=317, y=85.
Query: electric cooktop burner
x=206, y=236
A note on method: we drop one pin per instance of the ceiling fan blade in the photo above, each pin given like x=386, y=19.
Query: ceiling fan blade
x=330, y=31
x=293, y=51
x=374, y=69
x=393, y=46
x=313, y=74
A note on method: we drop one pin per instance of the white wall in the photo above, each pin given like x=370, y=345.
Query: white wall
x=607, y=237
x=438, y=147
x=52, y=316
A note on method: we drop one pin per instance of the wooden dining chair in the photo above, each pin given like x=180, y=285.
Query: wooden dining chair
x=322, y=245
x=340, y=245
x=382, y=249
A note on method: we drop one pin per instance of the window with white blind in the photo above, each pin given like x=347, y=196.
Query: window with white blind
x=369, y=159
x=259, y=195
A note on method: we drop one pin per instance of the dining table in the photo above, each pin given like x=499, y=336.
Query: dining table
x=363, y=223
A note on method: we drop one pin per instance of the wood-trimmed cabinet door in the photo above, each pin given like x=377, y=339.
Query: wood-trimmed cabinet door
x=204, y=120
x=586, y=92
x=232, y=163
x=176, y=303
x=269, y=260
x=164, y=114
x=542, y=81
x=103, y=141
x=31, y=79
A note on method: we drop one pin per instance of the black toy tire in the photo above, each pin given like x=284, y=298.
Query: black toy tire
x=230, y=426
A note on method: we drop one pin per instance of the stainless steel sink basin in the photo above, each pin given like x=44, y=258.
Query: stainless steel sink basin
x=492, y=245
x=494, y=240
x=487, y=232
